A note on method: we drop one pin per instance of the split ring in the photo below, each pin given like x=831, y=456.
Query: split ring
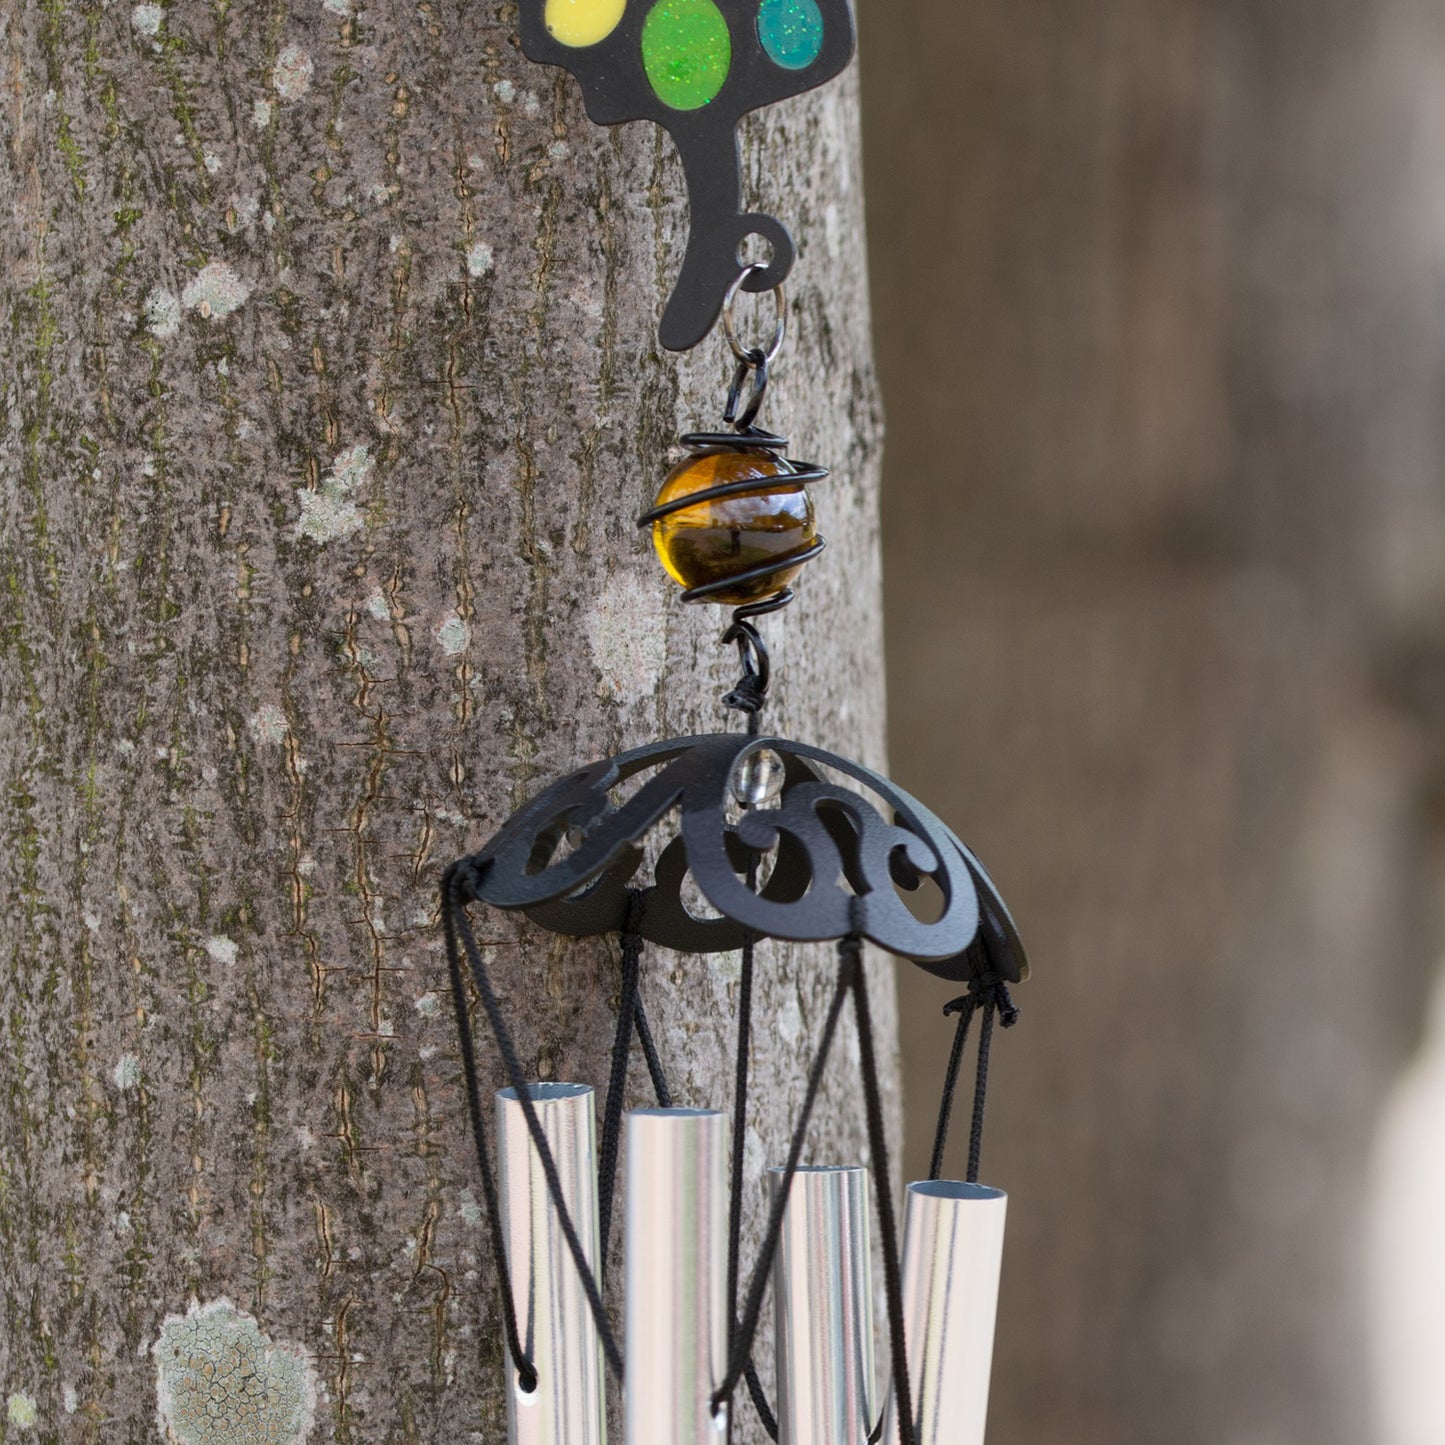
x=747, y=354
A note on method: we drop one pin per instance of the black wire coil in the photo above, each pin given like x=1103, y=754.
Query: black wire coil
x=745, y=436
x=798, y=472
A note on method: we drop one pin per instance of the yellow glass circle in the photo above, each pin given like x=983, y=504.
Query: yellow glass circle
x=581, y=23
x=726, y=536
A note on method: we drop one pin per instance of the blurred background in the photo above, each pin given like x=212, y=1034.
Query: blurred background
x=1159, y=305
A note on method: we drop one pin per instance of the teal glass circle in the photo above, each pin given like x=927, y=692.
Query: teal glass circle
x=791, y=32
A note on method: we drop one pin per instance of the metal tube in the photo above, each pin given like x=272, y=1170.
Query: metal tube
x=558, y=1332
x=952, y=1251
x=676, y=1276
x=823, y=1298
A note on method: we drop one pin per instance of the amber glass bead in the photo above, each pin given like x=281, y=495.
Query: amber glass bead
x=726, y=536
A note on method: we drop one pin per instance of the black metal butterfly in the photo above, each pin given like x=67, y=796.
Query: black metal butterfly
x=696, y=67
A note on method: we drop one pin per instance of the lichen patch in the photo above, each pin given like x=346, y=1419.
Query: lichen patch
x=21, y=1411
x=479, y=258
x=329, y=512
x=126, y=1074
x=454, y=635
x=223, y=950
x=221, y=1381
x=215, y=291
x=292, y=73
x=269, y=725
x=727, y=968
x=163, y=313
x=148, y=19
x=245, y=209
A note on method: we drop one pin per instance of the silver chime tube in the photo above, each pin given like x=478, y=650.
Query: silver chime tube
x=676, y=1276
x=823, y=1298
x=553, y=1318
x=952, y=1251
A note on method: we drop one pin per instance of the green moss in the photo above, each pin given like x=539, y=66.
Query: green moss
x=52, y=37
x=73, y=156
x=38, y=433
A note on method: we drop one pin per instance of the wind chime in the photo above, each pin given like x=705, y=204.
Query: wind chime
x=779, y=840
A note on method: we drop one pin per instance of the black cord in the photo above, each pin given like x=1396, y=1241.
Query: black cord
x=883, y=1188
x=980, y=1094
x=458, y=923
x=740, y=1354
x=740, y=1119
x=740, y=1114
x=965, y=1008
x=526, y=1371
x=750, y=695
x=610, y=1144
x=760, y=1400
x=991, y=995
x=654, y=1060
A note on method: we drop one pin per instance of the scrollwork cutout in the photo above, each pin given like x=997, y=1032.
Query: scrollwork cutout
x=838, y=864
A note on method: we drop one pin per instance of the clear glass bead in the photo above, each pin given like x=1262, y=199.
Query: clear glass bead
x=757, y=779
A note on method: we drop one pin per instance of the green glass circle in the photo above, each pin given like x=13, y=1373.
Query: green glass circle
x=686, y=52
x=791, y=32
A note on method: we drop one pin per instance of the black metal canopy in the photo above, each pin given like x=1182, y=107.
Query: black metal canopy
x=832, y=861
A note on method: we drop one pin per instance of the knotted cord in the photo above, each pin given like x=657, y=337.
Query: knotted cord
x=991, y=994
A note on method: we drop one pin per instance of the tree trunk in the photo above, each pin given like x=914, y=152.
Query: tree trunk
x=331, y=391
x=1158, y=302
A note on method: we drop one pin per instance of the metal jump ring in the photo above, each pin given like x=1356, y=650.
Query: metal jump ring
x=780, y=319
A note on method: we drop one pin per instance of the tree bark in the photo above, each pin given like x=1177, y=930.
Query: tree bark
x=1158, y=317
x=331, y=391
